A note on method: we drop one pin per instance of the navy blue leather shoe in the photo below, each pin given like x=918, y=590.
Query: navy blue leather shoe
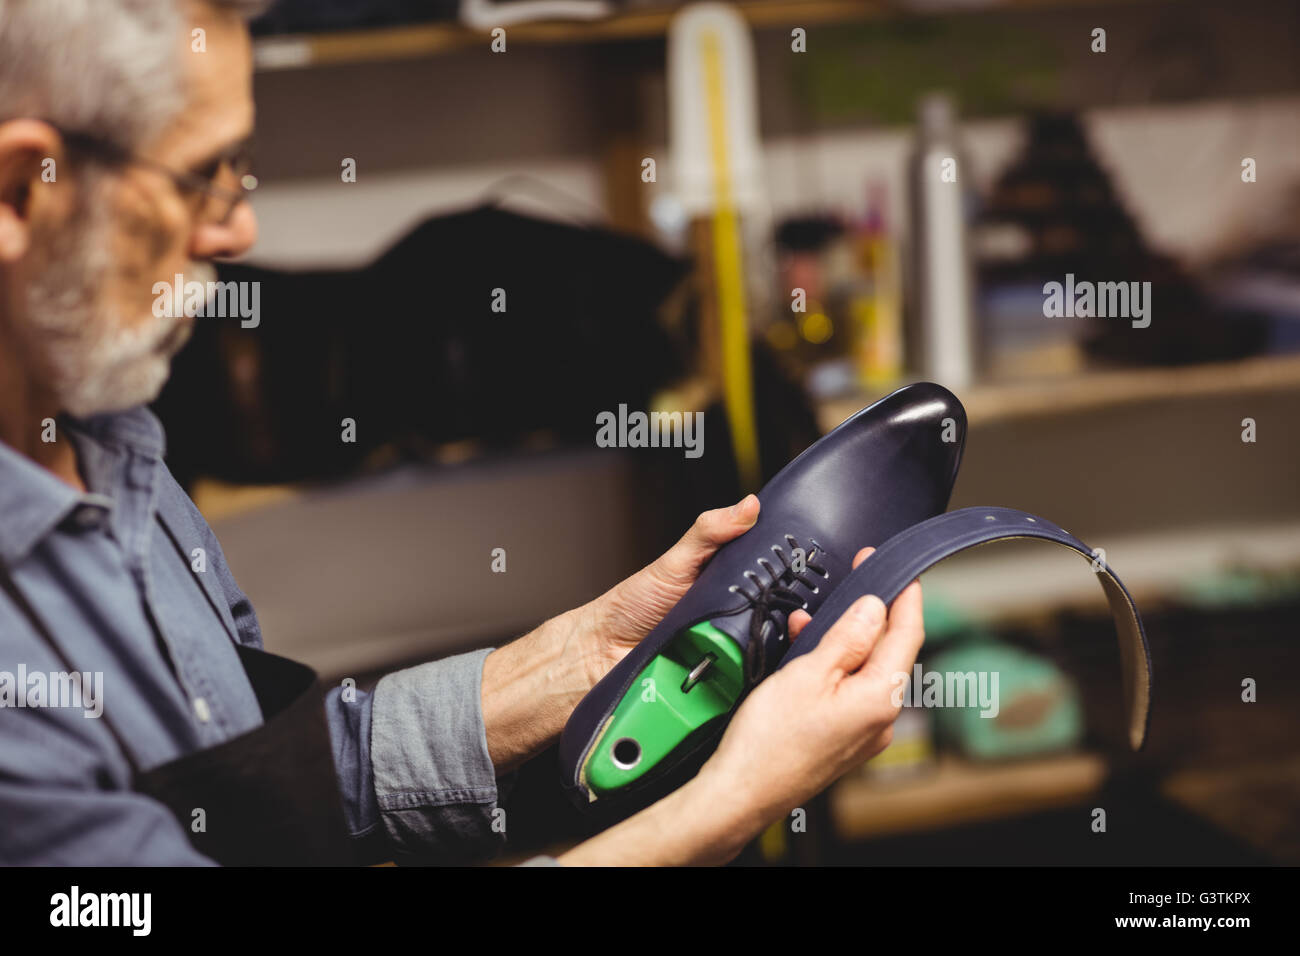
x=653, y=719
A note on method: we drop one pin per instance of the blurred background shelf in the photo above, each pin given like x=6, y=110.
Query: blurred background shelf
x=1096, y=390
x=423, y=40
x=419, y=40
x=405, y=42
x=957, y=792
x=986, y=404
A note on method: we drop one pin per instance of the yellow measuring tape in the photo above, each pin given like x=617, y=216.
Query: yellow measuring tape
x=737, y=377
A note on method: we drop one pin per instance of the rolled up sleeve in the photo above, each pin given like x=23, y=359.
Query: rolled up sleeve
x=434, y=781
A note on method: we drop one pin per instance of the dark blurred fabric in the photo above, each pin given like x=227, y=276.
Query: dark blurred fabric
x=410, y=348
x=1061, y=198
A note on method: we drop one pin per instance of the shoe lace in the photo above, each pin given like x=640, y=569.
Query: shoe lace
x=776, y=593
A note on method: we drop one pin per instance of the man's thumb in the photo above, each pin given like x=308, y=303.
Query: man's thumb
x=849, y=642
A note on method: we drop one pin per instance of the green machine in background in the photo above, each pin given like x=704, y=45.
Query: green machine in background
x=1036, y=708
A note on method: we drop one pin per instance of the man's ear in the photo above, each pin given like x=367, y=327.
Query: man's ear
x=31, y=153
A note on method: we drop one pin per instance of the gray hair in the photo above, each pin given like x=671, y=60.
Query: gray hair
x=108, y=68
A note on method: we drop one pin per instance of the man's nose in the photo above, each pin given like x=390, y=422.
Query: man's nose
x=232, y=238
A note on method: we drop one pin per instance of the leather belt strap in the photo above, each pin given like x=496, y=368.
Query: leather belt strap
x=904, y=557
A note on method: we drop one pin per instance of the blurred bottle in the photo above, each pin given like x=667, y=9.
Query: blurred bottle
x=877, y=317
x=944, y=318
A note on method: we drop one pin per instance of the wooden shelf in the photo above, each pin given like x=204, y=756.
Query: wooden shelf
x=1091, y=391
x=431, y=39
x=404, y=42
x=957, y=792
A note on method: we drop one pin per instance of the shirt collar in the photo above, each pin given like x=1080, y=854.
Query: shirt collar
x=136, y=429
x=33, y=501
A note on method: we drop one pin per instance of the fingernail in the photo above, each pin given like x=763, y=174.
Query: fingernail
x=862, y=555
x=871, y=610
x=739, y=508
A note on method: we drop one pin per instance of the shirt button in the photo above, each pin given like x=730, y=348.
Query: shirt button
x=201, y=710
x=88, y=517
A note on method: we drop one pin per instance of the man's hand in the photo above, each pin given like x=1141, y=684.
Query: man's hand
x=826, y=713
x=621, y=617
x=531, y=685
x=796, y=733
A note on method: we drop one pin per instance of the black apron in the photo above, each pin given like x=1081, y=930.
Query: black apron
x=270, y=797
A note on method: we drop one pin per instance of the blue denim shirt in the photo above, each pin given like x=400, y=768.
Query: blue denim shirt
x=118, y=578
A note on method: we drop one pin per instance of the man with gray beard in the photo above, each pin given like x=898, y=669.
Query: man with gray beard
x=124, y=163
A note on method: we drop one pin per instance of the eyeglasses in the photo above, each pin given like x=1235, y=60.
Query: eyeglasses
x=234, y=164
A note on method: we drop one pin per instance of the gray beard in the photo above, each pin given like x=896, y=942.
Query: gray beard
x=99, y=363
